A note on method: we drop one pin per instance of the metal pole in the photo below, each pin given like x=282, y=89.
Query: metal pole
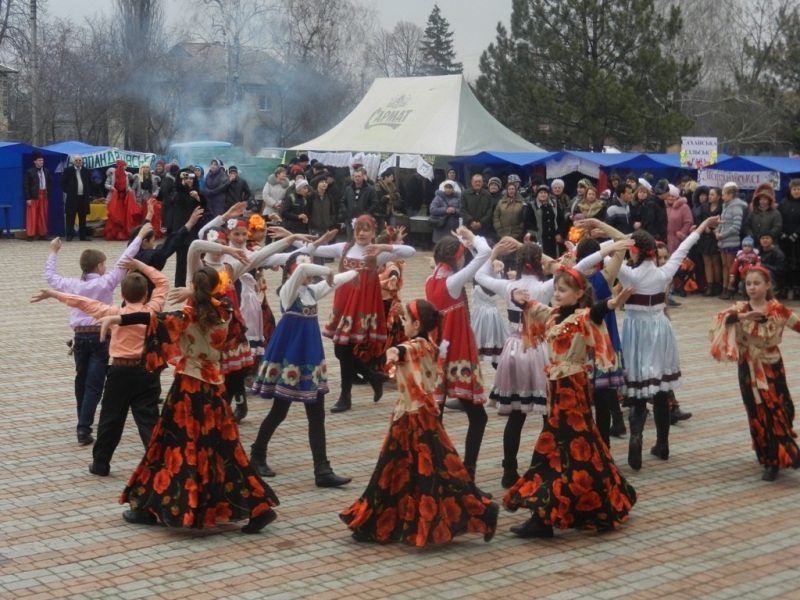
x=34, y=78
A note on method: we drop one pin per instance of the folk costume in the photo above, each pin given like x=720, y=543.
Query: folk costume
x=572, y=481
x=420, y=493
x=488, y=325
x=195, y=473
x=121, y=204
x=762, y=379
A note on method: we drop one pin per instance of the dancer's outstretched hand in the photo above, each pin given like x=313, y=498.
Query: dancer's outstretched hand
x=392, y=355
x=43, y=294
x=178, y=295
x=521, y=296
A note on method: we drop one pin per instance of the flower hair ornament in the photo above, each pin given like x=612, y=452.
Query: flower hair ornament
x=234, y=223
x=364, y=219
x=216, y=236
x=256, y=223
x=222, y=286
x=635, y=252
x=302, y=259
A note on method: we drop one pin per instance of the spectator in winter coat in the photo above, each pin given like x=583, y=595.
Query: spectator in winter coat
x=729, y=230
x=496, y=191
x=388, y=196
x=790, y=239
x=546, y=221
x=507, y=218
x=359, y=197
x=237, y=190
x=774, y=260
x=215, y=188
x=322, y=211
x=476, y=209
x=562, y=199
x=654, y=212
x=618, y=213
x=679, y=219
x=274, y=191
x=590, y=206
x=294, y=211
x=446, y=203
x=763, y=214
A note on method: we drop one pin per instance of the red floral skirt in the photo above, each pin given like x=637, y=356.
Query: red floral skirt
x=771, y=420
x=572, y=481
x=195, y=473
x=420, y=492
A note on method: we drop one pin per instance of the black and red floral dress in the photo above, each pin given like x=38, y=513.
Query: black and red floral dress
x=195, y=473
x=762, y=379
x=572, y=481
x=420, y=491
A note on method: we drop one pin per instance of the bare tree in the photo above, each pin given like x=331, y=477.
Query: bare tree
x=398, y=53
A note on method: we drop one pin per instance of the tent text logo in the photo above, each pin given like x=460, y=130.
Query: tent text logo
x=393, y=117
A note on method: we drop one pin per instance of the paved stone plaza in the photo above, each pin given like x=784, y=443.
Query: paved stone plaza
x=705, y=525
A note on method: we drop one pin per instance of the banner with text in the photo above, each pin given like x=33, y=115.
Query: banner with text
x=746, y=180
x=108, y=158
x=698, y=152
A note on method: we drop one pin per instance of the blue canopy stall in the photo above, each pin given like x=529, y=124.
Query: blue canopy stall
x=749, y=171
x=15, y=159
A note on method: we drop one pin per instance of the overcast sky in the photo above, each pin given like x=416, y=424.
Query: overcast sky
x=472, y=24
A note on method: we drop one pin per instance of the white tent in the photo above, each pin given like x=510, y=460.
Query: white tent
x=420, y=115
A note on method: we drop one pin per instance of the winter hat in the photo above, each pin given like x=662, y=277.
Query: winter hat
x=302, y=184
x=557, y=182
x=496, y=181
x=174, y=170
x=585, y=184
x=161, y=162
x=764, y=189
x=513, y=179
x=233, y=169
x=303, y=158
x=748, y=241
x=644, y=183
x=542, y=188
x=674, y=192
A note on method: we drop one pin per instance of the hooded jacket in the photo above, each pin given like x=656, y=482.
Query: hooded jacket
x=273, y=193
x=439, y=205
x=762, y=221
x=181, y=208
x=654, y=218
x=544, y=222
x=215, y=190
x=732, y=220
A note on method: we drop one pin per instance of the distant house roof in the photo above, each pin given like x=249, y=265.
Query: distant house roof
x=5, y=69
x=257, y=67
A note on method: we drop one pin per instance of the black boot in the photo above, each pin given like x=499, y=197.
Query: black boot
x=636, y=419
x=376, y=380
x=662, y=418
x=532, y=528
x=325, y=477
x=676, y=414
x=471, y=471
x=510, y=473
x=711, y=290
x=770, y=473
x=618, y=428
x=259, y=462
x=240, y=410
x=342, y=404
x=256, y=524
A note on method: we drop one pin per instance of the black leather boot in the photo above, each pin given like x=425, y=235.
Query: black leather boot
x=342, y=404
x=471, y=471
x=636, y=419
x=240, y=410
x=376, y=380
x=259, y=462
x=661, y=415
x=510, y=473
x=256, y=524
x=770, y=473
x=532, y=528
x=618, y=428
x=676, y=414
x=325, y=477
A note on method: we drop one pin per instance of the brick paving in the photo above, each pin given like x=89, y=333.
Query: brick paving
x=705, y=524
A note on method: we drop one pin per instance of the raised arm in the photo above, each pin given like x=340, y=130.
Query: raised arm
x=53, y=279
x=215, y=222
x=457, y=281
x=198, y=248
x=159, y=296
x=330, y=251
x=112, y=278
x=398, y=252
x=322, y=288
x=240, y=268
x=93, y=308
x=291, y=288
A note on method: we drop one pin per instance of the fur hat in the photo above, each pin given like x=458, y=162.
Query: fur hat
x=514, y=179
x=644, y=183
x=556, y=182
x=496, y=181
x=764, y=190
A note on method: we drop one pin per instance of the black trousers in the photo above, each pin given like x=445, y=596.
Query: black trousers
x=476, y=415
x=76, y=206
x=181, y=260
x=234, y=385
x=349, y=365
x=315, y=413
x=126, y=388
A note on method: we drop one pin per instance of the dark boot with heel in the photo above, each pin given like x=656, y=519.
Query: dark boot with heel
x=342, y=404
x=510, y=473
x=259, y=462
x=636, y=420
x=240, y=408
x=325, y=477
x=662, y=417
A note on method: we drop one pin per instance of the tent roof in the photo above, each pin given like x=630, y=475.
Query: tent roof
x=201, y=144
x=20, y=148
x=782, y=164
x=73, y=147
x=420, y=115
x=520, y=159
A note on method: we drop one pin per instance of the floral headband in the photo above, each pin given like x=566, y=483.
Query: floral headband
x=216, y=236
x=365, y=219
x=232, y=224
x=303, y=259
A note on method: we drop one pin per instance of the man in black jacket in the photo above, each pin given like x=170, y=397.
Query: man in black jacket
x=183, y=203
x=476, y=209
x=237, y=190
x=294, y=208
x=359, y=198
x=76, y=183
x=618, y=214
x=36, y=186
x=654, y=212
